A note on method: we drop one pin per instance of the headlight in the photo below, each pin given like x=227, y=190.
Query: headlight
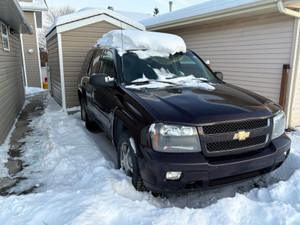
x=174, y=138
x=278, y=125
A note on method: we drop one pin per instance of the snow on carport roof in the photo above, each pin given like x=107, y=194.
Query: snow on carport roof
x=90, y=12
x=35, y=5
x=196, y=10
x=136, y=16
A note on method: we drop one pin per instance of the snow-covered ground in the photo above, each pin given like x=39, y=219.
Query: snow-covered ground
x=73, y=179
x=33, y=90
x=5, y=147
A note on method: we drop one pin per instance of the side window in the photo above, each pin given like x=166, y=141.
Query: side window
x=86, y=62
x=107, y=64
x=5, y=40
x=95, y=62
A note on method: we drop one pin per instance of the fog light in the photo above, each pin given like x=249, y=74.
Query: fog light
x=172, y=175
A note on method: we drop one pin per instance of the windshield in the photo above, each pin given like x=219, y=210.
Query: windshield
x=179, y=69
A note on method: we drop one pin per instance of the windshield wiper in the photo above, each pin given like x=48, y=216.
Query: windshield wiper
x=166, y=82
x=205, y=81
x=138, y=82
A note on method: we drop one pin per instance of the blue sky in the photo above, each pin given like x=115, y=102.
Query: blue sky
x=143, y=6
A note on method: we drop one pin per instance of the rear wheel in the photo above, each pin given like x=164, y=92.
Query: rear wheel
x=127, y=161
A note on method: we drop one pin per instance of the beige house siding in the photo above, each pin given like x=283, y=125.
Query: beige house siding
x=31, y=60
x=11, y=85
x=75, y=45
x=53, y=59
x=250, y=52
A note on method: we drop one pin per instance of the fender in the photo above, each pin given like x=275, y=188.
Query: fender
x=81, y=91
x=128, y=122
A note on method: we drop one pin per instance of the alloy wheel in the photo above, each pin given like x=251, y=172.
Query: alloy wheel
x=126, y=159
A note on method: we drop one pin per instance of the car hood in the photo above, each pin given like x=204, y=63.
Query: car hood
x=186, y=105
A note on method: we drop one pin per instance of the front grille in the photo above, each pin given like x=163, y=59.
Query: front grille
x=235, y=126
x=235, y=144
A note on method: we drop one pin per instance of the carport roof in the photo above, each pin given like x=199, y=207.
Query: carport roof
x=214, y=10
x=35, y=6
x=12, y=15
x=88, y=13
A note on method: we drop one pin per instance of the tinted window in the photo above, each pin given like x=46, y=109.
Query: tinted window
x=107, y=64
x=95, y=63
x=86, y=62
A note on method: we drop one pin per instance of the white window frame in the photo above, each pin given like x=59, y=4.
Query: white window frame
x=5, y=37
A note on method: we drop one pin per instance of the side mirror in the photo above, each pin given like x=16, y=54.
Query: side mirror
x=219, y=75
x=102, y=80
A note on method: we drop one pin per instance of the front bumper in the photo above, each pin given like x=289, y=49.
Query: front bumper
x=199, y=172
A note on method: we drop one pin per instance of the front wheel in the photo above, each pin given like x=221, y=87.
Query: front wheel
x=127, y=161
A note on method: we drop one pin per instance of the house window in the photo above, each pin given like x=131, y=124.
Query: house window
x=5, y=41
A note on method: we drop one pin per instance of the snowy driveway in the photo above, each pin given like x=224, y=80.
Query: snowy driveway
x=75, y=182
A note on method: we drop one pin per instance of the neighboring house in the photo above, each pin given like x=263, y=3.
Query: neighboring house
x=68, y=41
x=249, y=41
x=32, y=67
x=12, y=94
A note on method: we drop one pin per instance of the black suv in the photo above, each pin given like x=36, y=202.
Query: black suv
x=174, y=131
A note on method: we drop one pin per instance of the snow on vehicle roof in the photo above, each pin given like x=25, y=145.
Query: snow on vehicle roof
x=90, y=12
x=144, y=42
x=196, y=10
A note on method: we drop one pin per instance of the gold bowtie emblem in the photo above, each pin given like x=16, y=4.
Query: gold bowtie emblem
x=241, y=135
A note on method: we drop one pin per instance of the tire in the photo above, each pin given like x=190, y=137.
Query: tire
x=82, y=110
x=84, y=116
x=127, y=161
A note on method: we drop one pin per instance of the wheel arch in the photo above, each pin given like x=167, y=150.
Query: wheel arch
x=123, y=122
x=81, y=93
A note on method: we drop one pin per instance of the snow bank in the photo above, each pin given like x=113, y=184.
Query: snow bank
x=147, y=43
x=76, y=182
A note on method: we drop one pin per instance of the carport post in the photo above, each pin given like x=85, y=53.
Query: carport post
x=61, y=70
x=38, y=50
x=284, y=84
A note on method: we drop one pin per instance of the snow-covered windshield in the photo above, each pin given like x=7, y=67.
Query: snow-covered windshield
x=181, y=69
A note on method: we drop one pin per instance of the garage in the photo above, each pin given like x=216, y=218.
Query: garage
x=68, y=40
